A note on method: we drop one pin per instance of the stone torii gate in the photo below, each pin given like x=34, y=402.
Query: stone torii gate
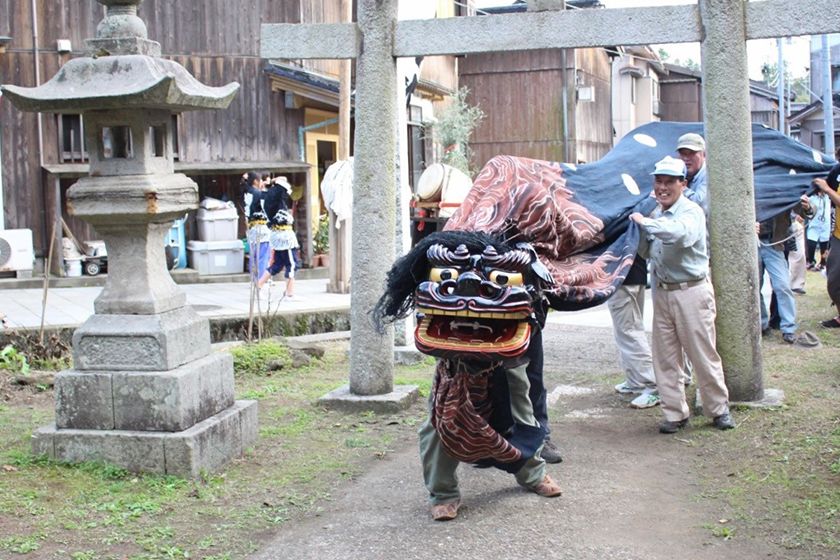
x=721, y=26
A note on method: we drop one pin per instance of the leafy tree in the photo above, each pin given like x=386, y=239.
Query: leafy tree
x=453, y=129
x=799, y=86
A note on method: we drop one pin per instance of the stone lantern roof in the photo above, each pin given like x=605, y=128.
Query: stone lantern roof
x=124, y=71
x=120, y=82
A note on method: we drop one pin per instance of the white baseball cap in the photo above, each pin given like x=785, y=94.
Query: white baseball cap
x=670, y=166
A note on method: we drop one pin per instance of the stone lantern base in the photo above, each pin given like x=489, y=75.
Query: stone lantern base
x=146, y=392
x=148, y=395
x=206, y=446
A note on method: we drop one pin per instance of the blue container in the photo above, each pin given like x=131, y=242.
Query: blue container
x=177, y=240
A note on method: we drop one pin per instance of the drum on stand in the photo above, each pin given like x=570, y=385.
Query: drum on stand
x=456, y=186
x=430, y=184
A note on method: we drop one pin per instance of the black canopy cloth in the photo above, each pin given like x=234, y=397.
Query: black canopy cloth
x=576, y=216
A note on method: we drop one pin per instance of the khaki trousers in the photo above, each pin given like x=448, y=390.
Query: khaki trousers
x=626, y=307
x=684, y=321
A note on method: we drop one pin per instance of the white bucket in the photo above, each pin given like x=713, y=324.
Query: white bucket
x=73, y=267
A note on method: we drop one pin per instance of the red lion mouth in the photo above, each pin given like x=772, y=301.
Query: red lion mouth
x=488, y=336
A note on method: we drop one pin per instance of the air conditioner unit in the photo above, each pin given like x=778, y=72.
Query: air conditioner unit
x=16, y=253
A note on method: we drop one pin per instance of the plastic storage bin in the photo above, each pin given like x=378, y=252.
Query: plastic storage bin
x=217, y=225
x=73, y=267
x=216, y=257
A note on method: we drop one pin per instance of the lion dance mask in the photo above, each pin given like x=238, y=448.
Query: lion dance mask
x=534, y=233
x=477, y=301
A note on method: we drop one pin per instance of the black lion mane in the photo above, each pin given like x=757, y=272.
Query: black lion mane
x=413, y=268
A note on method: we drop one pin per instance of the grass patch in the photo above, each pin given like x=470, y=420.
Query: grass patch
x=782, y=479
x=254, y=358
x=777, y=476
x=304, y=453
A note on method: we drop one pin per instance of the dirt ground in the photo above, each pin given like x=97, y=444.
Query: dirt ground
x=629, y=492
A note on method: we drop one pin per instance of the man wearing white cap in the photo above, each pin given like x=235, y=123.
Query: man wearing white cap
x=674, y=239
x=692, y=150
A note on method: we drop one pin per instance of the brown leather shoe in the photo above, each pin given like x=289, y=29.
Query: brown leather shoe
x=446, y=512
x=547, y=488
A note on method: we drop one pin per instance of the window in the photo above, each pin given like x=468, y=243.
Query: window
x=176, y=145
x=157, y=139
x=416, y=145
x=634, y=83
x=117, y=142
x=71, y=139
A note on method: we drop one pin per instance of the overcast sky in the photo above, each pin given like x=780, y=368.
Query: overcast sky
x=796, y=50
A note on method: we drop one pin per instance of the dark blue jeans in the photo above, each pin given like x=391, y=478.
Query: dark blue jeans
x=537, y=392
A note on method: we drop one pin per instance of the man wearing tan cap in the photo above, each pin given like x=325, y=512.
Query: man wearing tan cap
x=692, y=150
x=683, y=302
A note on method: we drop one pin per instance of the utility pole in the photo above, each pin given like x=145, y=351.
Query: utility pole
x=828, y=104
x=780, y=84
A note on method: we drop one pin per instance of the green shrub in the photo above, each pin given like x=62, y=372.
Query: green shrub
x=453, y=129
x=13, y=360
x=253, y=359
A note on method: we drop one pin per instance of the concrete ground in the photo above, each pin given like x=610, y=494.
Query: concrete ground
x=70, y=307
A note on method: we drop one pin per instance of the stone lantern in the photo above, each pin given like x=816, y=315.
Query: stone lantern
x=145, y=393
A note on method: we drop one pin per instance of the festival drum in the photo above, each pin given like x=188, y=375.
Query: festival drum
x=430, y=185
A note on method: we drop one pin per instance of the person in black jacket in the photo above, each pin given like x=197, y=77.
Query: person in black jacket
x=831, y=187
x=283, y=241
x=258, y=234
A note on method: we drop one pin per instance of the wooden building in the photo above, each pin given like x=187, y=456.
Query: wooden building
x=282, y=121
x=682, y=97
x=807, y=124
x=550, y=104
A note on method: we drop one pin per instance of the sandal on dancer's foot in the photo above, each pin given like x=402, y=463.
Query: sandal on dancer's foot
x=547, y=488
x=831, y=323
x=445, y=512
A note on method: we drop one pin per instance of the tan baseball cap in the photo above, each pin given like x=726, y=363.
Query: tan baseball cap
x=691, y=141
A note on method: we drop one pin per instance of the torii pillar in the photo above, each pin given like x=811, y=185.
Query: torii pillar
x=731, y=196
x=374, y=200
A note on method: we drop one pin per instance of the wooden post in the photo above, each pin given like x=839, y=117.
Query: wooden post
x=340, y=237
